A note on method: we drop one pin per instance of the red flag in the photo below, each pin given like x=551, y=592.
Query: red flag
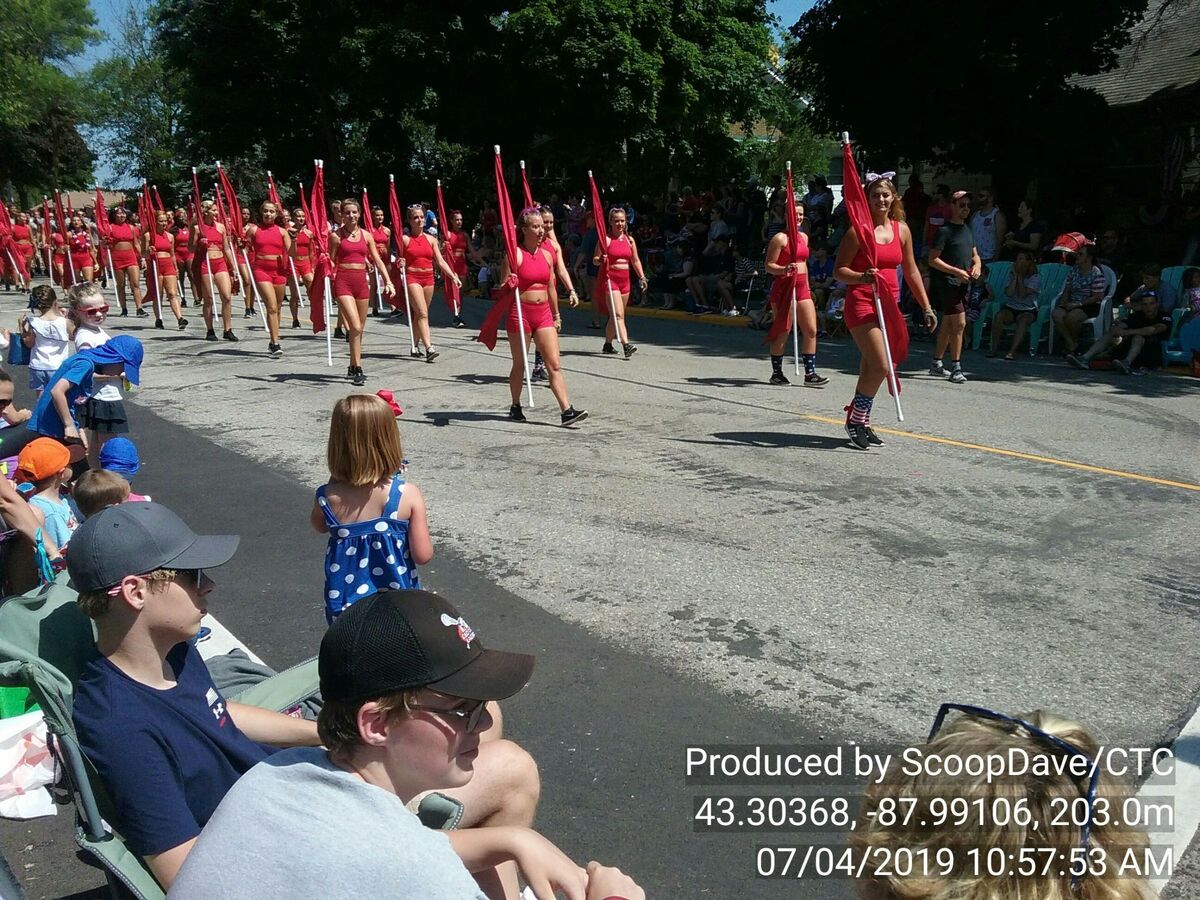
x=70, y=209
x=273, y=193
x=201, y=250
x=48, y=236
x=525, y=185
x=13, y=257
x=318, y=224
x=601, y=298
x=150, y=223
x=784, y=287
x=68, y=268
x=368, y=222
x=450, y=290
x=102, y=222
x=304, y=206
x=490, y=330
x=864, y=227
x=235, y=220
x=397, y=300
x=158, y=204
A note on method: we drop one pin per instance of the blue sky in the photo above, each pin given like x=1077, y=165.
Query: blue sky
x=789, y=11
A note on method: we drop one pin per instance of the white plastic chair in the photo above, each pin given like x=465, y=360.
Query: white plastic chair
x=1102, y=321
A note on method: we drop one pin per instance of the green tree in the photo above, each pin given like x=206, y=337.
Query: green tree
x=973, y=86
x=135, y=107
x=40, y=101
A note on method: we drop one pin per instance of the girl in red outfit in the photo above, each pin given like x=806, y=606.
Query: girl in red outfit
x=270, y=247
x=782, y=261
x=621, y=256
x=351, y=247
x=418, y=257
x=58, y=258
x=123, y=241
x=302, y=261
x=183, y=256
x=158, y=245
x=216, y=262
x=22, y=235
x=539, y=316
x=456, y=248
x=382, y=236
x=893, y=247
x=79, y=245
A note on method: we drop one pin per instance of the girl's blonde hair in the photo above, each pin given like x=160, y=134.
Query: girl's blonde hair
x=364, y=442
x=1052, y=800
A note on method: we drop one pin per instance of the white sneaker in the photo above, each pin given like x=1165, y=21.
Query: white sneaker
x=957, y=377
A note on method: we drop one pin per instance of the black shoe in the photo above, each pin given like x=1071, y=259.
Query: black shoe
x=182, y=324
x=230, y=336
x=339, y=334
x=779, y=378
x=539, y=373
x=514, y=413
x=350, y=371
x=124, y=312
x=295, y=323
x=211, y=336
x=629, y=349
x=360, y=377
x=249, y=314
x=873, y=437
x=431, y=355
x=142, y=314
x=274, y=351
x=608, y=348
x=858, y=435
x=158, y=323
x=571, y=415
x=815, y=380
x=459, y=323
x=417, y=352
x=594, y=325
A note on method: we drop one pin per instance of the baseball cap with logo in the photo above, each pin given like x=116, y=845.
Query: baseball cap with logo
x=398, y=640
x=136, y=538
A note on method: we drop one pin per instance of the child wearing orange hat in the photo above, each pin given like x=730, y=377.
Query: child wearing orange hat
x=45, y=464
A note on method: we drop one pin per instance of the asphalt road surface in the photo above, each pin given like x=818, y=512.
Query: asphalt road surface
x=704, y=561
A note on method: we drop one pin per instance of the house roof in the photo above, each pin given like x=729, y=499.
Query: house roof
x=1161, y=58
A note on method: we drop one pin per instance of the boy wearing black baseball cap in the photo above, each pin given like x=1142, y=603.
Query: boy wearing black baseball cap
x=166, y=743
x=406, y=683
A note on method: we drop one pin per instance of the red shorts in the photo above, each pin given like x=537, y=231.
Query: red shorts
x=303, y=266
x=424, y=279
x=534, y=316
x=166, y=266
x=183, y=260
x=121, y=259
x=80, y=260
x=213, y=265
x=620, y=280
x=351, y=283
x=270, y=271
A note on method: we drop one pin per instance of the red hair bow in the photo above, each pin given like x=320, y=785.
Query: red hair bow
x=390, y=399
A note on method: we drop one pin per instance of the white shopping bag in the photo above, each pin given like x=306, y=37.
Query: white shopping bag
x=26, y=768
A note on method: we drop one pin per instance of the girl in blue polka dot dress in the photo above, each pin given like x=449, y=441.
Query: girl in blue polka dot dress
x=377, y=526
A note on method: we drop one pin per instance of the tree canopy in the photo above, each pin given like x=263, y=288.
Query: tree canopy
x=974, y=86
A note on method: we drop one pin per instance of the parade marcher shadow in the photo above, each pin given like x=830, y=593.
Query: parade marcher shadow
x=729, y=382
x=443, y=418
x=286, y=377
x=777, y=439
x=473, y=378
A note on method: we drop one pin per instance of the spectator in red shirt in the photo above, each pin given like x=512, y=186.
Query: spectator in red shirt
x=937, y=214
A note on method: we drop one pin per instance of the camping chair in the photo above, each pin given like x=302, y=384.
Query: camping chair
x=998, y=273
x=1054, y=276
x=1103, y=319
x=45, y=645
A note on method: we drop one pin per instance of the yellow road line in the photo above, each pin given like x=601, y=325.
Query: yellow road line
x=1015, y=454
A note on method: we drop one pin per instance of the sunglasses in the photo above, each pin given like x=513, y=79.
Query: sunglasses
x=182, y=578
x=469, y=714
x=1056, y=742
x=5, y=404
x=92, y=310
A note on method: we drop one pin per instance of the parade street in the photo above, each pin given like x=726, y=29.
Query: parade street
x=705, y=561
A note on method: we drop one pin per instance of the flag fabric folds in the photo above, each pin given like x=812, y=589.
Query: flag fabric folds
x=601, y=298
x=864, y=228
x=783, y=289
x=490, y=330
x=318, y=224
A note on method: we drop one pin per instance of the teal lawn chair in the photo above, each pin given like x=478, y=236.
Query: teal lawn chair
x=998, y=273
x=1054, y=276
x=1173, y=352
x=45, y=643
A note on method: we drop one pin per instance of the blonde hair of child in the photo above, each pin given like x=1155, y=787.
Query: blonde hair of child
x=1045, y=797
x=364, y=442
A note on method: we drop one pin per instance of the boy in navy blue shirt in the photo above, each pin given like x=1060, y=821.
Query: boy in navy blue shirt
x=166, y=743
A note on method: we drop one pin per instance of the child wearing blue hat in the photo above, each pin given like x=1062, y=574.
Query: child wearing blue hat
x=119, y=455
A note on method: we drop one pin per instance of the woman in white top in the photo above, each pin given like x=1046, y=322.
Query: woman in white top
x=48, y=334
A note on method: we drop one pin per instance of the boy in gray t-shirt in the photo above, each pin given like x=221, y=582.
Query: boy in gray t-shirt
x=406, y=685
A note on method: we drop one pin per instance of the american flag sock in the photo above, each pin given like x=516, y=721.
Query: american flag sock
x=777, y=364
x=860, y=409
x=810, y=363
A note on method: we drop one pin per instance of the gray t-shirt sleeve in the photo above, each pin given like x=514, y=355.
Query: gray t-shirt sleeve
x=297, y=826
